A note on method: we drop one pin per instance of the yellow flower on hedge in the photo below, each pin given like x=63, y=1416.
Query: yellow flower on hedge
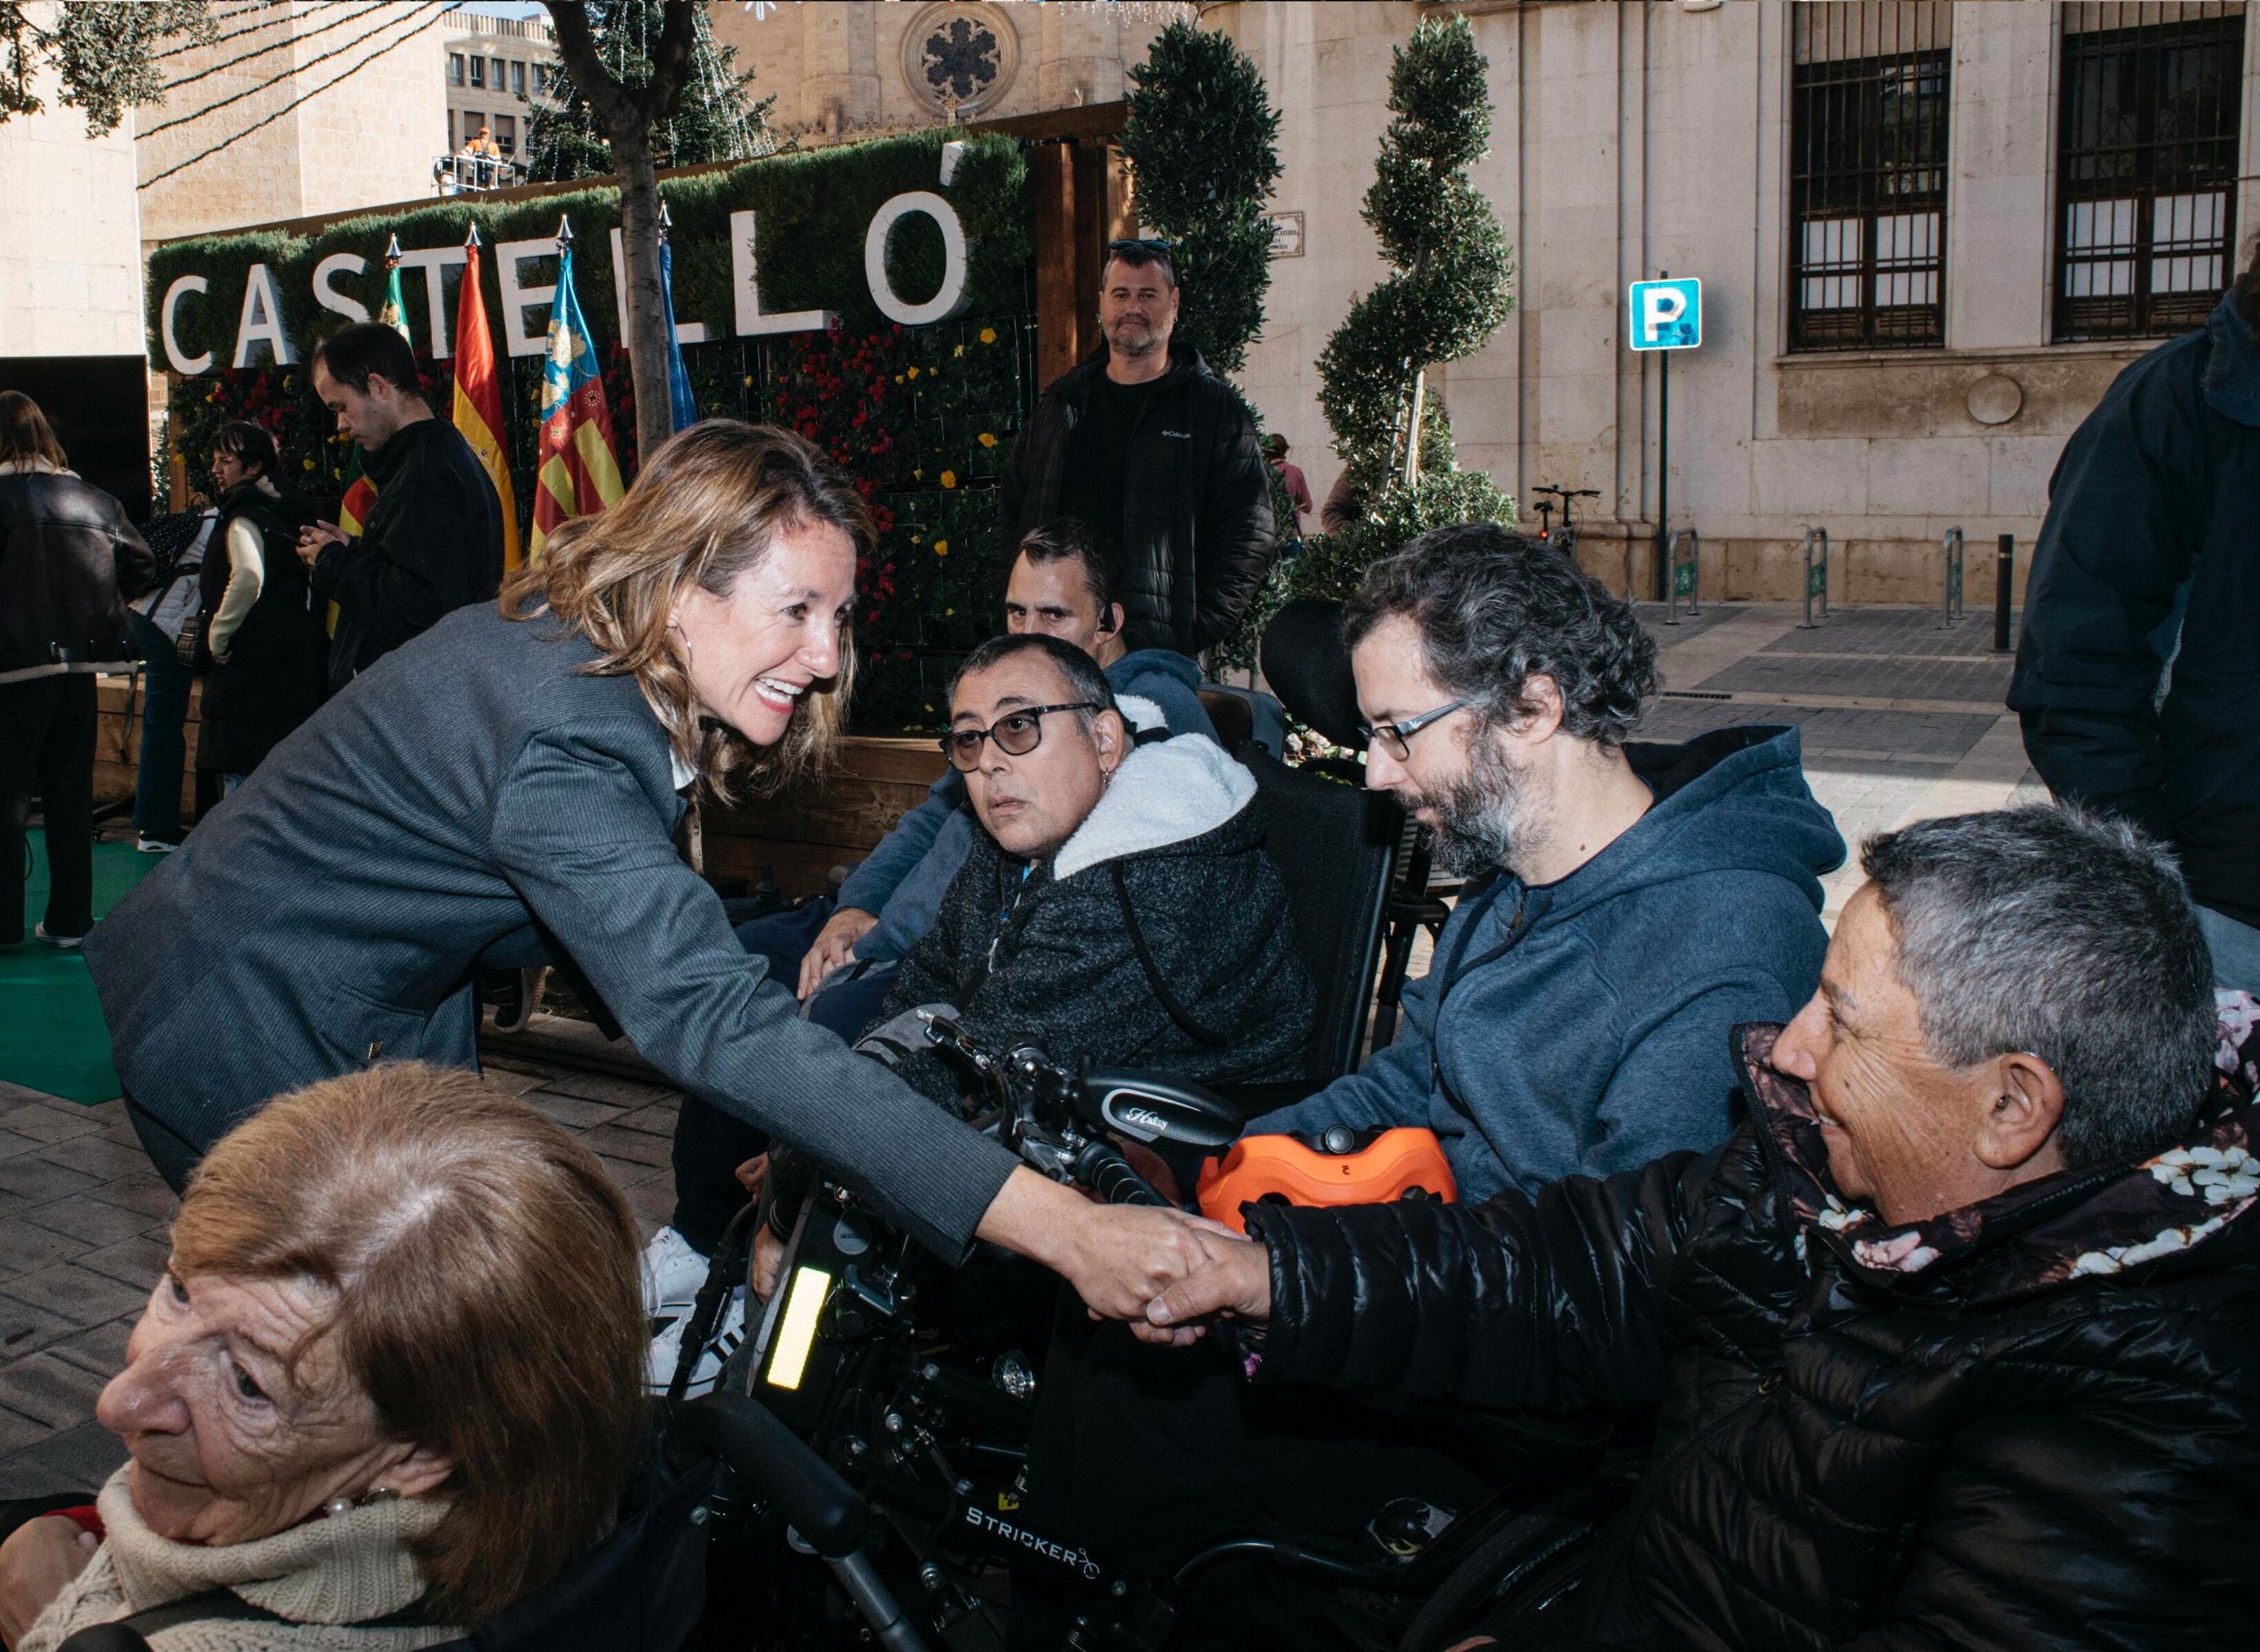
x=750, y=379
x=949, y=478
x=988, y=335
x=306, y=464
x=987, y=439
x=898, y=378
x=949, y=613
x=957, y=349
x=913, y=372
x=941, y=547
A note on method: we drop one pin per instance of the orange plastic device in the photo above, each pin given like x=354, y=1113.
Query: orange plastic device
x=1396, y=1164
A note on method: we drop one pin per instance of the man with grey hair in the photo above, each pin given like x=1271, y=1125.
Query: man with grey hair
x=1955, y=1343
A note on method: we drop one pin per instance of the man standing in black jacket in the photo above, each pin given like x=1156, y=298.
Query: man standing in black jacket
x=433, y=541
x=2134, y=676
x=1143, y=442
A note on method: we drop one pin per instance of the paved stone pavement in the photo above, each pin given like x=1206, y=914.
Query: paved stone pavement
x=1900, y=720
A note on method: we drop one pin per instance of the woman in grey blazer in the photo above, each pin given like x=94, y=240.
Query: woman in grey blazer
x=522, y=765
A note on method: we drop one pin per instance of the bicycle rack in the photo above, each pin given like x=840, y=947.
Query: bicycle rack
x=1683, y=575
x=1950, y=609
x=1816, y=575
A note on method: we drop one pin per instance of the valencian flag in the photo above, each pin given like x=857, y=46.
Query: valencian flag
x=395, y=313
x=478, y=394
x=577, y=473
x=682, y=406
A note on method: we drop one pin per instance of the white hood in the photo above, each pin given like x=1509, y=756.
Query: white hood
x=1168, y=791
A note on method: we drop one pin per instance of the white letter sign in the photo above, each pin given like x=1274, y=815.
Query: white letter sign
x=262, y=319
x=951, y=298
x=187, y=365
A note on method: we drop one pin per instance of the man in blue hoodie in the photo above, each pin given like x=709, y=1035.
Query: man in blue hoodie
x=1628, y=904
x=1066, y=582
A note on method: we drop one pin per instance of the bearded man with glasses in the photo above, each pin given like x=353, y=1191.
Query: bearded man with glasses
x=1628, y=906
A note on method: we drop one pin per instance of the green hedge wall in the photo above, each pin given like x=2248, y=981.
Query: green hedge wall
x=814, y=208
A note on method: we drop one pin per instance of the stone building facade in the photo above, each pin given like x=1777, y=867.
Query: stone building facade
x=496, y=70
x=2031, y=174
x=70, y=251
x=321, y=108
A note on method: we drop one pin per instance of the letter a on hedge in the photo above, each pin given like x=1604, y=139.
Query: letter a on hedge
x=579, y=472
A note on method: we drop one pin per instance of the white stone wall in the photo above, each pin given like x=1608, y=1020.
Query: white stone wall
x=359, y=129
x=70, y=247
x=1630, y=139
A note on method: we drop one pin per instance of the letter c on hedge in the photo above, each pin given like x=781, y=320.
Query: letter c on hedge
x=186, y=366
x=951, y=299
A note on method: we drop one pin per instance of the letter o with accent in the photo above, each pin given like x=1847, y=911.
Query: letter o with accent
x=186, y=366
x=951, y=299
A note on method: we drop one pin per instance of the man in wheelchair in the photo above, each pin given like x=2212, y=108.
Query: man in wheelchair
x=1116, y=907
x=1956, y=1341
x=1627, y=904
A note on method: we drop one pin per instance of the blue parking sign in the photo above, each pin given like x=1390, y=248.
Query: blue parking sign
x=1667, y=315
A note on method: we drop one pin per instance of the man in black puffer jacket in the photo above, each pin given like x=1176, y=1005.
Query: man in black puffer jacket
x=1117, y=904
x=1143, y=442
x=1957, y=1344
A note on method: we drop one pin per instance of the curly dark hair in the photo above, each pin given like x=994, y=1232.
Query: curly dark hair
x=1495, y=609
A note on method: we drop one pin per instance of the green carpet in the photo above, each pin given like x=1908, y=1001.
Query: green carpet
x=51, y=1038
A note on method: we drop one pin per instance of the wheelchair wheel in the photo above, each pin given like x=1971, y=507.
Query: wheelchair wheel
x=1533, y=1564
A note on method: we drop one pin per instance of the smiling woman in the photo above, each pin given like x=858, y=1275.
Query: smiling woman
x=342, y=1402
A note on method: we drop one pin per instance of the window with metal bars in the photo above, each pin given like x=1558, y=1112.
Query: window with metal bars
x=2149, y=106
x=1868, y=124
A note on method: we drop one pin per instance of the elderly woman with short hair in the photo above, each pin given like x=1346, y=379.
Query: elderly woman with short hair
x=1957, y=1344
x=389, y=1384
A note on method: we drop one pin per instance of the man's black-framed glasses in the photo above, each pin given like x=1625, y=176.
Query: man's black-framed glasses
x=1017, y=733
x=1396, y=738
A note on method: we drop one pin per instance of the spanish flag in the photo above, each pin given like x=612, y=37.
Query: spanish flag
x=577, y=473
x=352, y=516
x=479, y=394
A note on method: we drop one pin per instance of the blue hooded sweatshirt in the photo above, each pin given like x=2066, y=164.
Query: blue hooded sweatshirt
x=908, y=871
x=1581, y=1026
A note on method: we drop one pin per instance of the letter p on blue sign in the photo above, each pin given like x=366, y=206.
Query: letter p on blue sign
x=1667, y=315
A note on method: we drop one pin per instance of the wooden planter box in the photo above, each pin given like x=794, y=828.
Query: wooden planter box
x=808, y=829
x=118, y=751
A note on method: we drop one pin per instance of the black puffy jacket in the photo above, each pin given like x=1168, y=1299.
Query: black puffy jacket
x=1197, y=529
x=1171, y=860
x=276, y=674
x=2027, y=1423
x=69, y=563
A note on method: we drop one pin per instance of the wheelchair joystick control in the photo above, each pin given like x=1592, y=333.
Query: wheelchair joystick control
x=1340, y=1139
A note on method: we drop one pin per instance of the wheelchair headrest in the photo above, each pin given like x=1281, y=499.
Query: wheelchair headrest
x=1308, y=667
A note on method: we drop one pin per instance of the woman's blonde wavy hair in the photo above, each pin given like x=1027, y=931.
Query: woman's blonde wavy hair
x=705, y=509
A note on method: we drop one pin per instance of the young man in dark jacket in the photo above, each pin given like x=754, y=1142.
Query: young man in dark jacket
x=1117, y=904
x=2134, y=677
x=1143, y=441
x=433, y=540
x=1628, y=904
x=1956, y=1343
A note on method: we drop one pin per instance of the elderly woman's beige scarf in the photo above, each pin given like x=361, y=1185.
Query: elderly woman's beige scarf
x=324, y=1576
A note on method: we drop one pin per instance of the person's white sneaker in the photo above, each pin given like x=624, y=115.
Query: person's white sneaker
x=68, y=943
x=667, y=1347
x=672, y=1271
x=155, y=845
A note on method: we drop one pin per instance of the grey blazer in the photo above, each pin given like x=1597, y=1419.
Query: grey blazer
x=327, y=912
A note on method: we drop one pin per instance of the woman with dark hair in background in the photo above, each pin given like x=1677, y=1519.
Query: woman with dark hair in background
x=265, y=650
x=68, y=561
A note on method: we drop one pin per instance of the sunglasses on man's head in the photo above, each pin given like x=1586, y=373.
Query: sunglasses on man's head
x=1017, y=733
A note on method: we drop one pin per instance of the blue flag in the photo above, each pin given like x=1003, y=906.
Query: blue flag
x=683, y=410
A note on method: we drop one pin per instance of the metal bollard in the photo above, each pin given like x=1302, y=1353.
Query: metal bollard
x=1816, y=575
x=2004, y=568
x=1950, y=548
x=1683, y=575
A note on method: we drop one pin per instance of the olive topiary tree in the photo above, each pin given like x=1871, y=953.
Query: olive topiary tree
x=1450, y=293
x=1203, y=142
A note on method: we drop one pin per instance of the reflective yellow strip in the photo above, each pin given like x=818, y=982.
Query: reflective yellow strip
x=797, y=1333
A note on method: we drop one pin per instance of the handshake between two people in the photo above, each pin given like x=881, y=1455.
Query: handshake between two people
x=1165, y=1272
